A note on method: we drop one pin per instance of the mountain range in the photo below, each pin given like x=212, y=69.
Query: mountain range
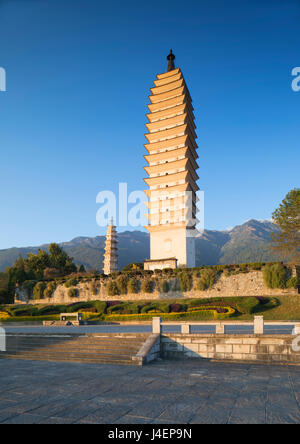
x=249, y=242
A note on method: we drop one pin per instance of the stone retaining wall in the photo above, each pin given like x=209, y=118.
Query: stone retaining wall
x=276, y=349
x=242, y=284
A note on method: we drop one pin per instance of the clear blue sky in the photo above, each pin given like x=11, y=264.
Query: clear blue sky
x=78, y=78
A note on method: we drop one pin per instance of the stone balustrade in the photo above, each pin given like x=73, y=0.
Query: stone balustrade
x=258, y=347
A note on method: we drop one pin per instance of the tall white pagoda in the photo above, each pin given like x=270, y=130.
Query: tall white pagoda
x=171, y=170
x=111, y=250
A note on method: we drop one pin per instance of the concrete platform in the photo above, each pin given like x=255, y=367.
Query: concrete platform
x=160, y=393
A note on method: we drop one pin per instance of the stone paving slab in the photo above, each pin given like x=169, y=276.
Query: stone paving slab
x=39, y=392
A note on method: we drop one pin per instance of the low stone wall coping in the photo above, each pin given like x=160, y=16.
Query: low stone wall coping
x=144, y=355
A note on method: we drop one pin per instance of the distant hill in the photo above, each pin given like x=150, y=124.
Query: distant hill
x=244, y=243
x=249, y=242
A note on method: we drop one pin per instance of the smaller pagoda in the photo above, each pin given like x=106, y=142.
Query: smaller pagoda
x=111, y=255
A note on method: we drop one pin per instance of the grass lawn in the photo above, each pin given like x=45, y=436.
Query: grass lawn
x=287, y=310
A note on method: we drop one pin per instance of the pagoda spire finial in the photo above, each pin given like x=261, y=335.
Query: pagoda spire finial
x=170, y=59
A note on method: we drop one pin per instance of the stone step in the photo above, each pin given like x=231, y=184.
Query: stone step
x=106, y=348
x=81, y=347
x=26, y=340
x=58, y=335
x=78, y=360
x=72, y=341
x=68, y=354
x=99, y=347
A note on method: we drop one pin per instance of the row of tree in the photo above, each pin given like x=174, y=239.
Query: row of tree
x=43, y=265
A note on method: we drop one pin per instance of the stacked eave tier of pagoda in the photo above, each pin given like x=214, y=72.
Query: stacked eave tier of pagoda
x=111, y=241
x=171, y=147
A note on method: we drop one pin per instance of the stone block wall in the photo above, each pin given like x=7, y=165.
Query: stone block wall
x=275, y=349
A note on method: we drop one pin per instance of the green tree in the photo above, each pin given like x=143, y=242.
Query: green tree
x=286, y=242
x=139, y=266
x=60, y=260
x=37, y=263
x=17, y=273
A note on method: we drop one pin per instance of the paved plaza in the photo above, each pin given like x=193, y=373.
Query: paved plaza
x=165, y=392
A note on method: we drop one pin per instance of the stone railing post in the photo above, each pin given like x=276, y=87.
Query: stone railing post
x=220, y=329
x=185, y=328
x=258, y=325
x=296, y=329
x=156, y=325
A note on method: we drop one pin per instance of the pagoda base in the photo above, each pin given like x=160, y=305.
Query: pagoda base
x=160, y=264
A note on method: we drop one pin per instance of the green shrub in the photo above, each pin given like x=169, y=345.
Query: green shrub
x=147, y=286
x=201, y=285
x=115, y=309
x=279, y=276
x=244, y=268
x=93, y=288
x=293, y=282
x=275, y=276
x=133, y=286
x=164, y=307
x=256, y=266
x=100, y=306
x=52, y=310
x=185, y=281
x=271, y=303
x=73, y=292
x=164, y=286
x=77, y=306
x=150, y=307
x=122, y=282
x=207, y=279
x=112, y=288
x=38, y=291
x=71, y=283
x=202, y=314
x=25, y=311
x=50, y=289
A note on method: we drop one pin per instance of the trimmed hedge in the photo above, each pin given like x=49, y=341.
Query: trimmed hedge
x=248, y=305
x=200, y=314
